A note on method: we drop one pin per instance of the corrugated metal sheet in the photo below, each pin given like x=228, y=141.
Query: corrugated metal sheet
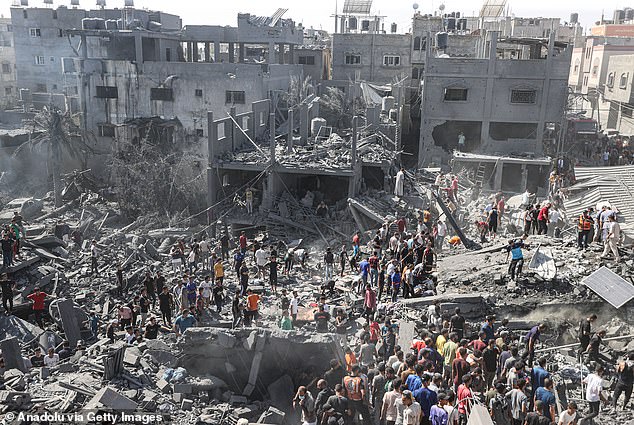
x=610, y=286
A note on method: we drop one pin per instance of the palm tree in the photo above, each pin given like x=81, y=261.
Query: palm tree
x=55, y=132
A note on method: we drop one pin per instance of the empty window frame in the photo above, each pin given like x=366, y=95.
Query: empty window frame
x=456, y=94
x=624, y=78
x=234, y=97
x=35, y=32
x=391, y=60
x=352, y=59
x=306, y=60
x=161, y=93
x=107, y=92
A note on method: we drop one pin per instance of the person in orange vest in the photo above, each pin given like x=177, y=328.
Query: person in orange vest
x=584, y=227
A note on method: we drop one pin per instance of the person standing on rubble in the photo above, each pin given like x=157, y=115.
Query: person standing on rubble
x=584, y=227
x=38, y=297
x=236, y=309
x=150, y=288
x=492, y=221
x=329, y=264
x=543, y=220
x=219, y=270
x=7, y=251
x=244, y=278
x=7, y=293
x=356, y=394
x=248, y=197
x=242, y=242
x=585, y=331
x=625, y=381
x=594, y=394
x=238, y=258
x=514, y=248
x=166, y=305
x=399, y=186
x=94, y=254
x=530, y=339
x=273, y=266
x=343, y=257
x=593, y=351
x=612, y=239
x=218, y=295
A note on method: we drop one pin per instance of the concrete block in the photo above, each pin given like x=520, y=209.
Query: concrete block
x=178, y=397
x=131, y=359
x=155, y=344
x=182, y=388
x=44, y=373
x=249, y=343
x=66, y=367
x=243, y=412
x=163, y=386
x=112, y=399
x=226, y=340
x=187, y=404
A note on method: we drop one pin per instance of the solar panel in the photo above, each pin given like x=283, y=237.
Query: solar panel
x=357, y=7
x=610, y=286
x=492, y=8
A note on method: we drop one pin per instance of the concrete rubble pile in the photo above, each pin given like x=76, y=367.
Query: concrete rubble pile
x=214, y=374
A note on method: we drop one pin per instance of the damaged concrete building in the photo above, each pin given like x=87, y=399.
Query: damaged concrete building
x=501, y=106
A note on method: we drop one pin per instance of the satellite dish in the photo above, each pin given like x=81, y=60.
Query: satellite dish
x=441, y=7
x=415, y=6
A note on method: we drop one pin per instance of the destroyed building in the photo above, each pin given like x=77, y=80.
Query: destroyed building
x=8, y=84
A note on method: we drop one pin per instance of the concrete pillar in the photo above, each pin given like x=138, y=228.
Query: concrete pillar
x=69, y=321
x=234, y=130
x=12, y=354
x=138, y=49
x=241, y=52
x=232, y=58
x=291, y=54
x=497, y=183
x=272, y=136
x=271, y=58
x=216, y=51
x=212, y=176
x=289, y=136
x=304, y=125
x=282, y=48
x=195, y=51
x=207, y=51
x=354, y=141
x=524, y=177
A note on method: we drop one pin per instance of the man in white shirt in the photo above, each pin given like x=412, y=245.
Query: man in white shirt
x=394, y=240
x=412, y=411
x=569, y=416
x=612, y=239
x=203, y=246
x=294, y=306
x=52, y=358
x=440, y=236
x=260, y=261
x=594, y=395
x=206, y=286
x=400, y=183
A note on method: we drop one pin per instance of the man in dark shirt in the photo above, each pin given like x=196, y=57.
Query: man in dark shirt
x=595, y=343
x=37, y=359
x=321, y=318
x=489, y=362
x=585, y=331
x=152, y=329
x=65, y=352
x=7, y=293
x=322, y=397
x=150, y=288
x=456, y=323
x=536, y=417
x=7, y=251
x=336, y=408
x=165, y=305
x=335, y=374
x=224, y=246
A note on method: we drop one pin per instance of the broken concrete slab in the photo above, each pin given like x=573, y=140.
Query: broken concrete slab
x=108, y=397
x=226, y=340
x=182, y=388
x=12, y=354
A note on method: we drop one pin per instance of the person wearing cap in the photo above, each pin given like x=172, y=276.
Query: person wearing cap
x=438, y=415
x=412, y=412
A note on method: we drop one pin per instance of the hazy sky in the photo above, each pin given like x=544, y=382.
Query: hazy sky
x=317, y=13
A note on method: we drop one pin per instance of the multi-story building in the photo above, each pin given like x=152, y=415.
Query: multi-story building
x=41, y=40
x=8, y=86
x=501, y=105
x=619, y=94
